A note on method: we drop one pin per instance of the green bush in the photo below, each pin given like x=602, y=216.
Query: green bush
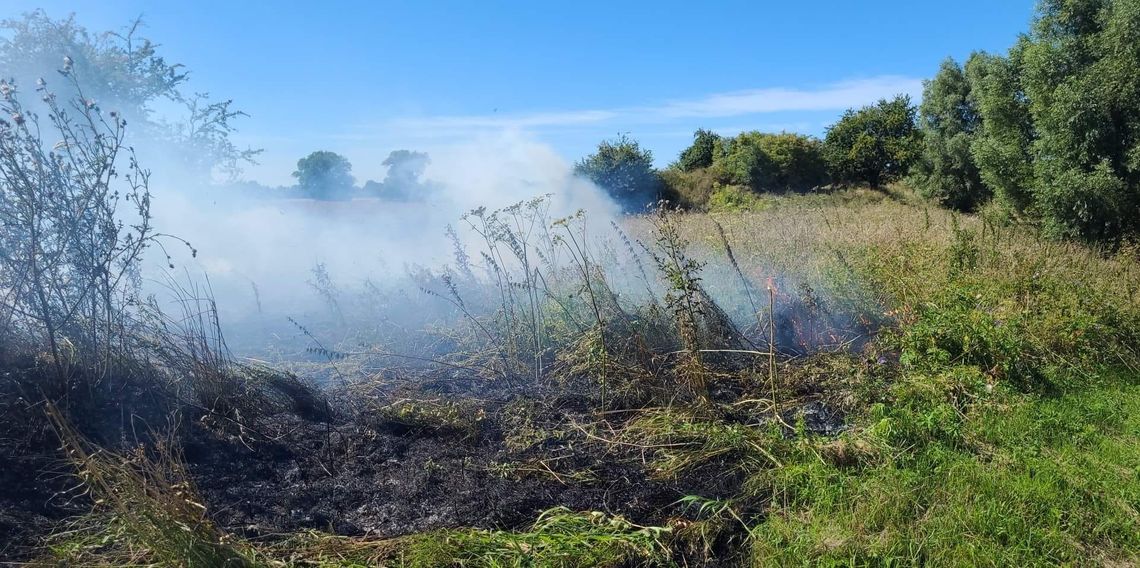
x=690, y=189
x=874, y=145
x=625, y=170
x=734, y=198
x=700, y=154
x=744, y=162
x=960, y=329
x=772, y=162
x=797, y=161
x=1092, y=205
x=1060, y=134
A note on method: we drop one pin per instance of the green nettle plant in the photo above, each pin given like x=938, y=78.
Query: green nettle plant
x=74, y=222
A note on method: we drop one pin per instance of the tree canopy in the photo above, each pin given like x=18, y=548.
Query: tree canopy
x=624, y=170
x=700, y=154
x=324, y=175
x=124, y=72
x=875, y=144
x=1056, y=135
x=948, y=120
x=772, y=162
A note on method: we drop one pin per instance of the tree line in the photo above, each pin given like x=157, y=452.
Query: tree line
x=1046, y=134
x=873, y=146
x=327, y=175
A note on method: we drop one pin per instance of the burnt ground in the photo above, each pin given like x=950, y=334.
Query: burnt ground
x=31, y=481
x=38, y=488
x=469, y=460
x=387, y=478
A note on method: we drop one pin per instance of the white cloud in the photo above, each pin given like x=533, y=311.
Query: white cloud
x=836, y=96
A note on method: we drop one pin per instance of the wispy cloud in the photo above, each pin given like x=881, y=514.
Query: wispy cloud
x=530, y=120
x=836, y=96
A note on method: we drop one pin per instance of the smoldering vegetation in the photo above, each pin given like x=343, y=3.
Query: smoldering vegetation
x=352, y=397
x=517, y=367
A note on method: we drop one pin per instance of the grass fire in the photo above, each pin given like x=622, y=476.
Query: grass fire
x=913, y=340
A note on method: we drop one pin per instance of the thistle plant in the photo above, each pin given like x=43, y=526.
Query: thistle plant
x=75, y=221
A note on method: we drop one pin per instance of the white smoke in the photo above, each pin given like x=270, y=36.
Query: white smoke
x=272, y=245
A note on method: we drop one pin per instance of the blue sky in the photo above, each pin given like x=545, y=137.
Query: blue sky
x=364, y=78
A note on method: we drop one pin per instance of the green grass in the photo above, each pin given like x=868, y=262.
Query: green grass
x=1034, y=481
x=1011, y=433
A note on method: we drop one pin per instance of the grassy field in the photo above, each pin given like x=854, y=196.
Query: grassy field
x=1009, y=435
x=990, y=417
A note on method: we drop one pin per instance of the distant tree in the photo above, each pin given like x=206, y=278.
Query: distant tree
x=875, y=144
x=772, y=162
x=797, y=161
x=625, y=170
x=324, y=175
x=405, y=168
x=948, y=121
x=403, y=182
x=126, y=73
x=743, y=161
x=700, y=153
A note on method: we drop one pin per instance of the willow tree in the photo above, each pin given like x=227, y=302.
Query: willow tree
x=1060, y=136
x=948, y=119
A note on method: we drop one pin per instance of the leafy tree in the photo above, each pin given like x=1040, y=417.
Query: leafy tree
x=324, y=175
x=403, y=181
x=700, y=154
x=743, y=161
x=1001, y=145
x=625, y=170
x=1060, y=136
x=1081, y=74
x=772, y=162
x=797, y=161
x=875, y=144
x=404, y=171
x=123, y=72
x=948, y=120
